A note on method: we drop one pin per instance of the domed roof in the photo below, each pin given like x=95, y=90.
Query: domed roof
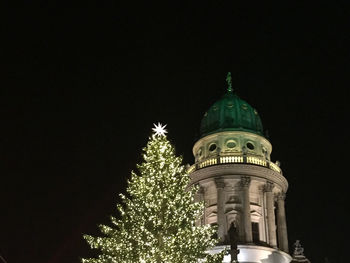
x=231, y=113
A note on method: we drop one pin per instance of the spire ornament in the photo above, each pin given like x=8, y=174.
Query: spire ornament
x=229, y=82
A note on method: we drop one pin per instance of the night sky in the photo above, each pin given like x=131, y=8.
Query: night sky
x=81, y=89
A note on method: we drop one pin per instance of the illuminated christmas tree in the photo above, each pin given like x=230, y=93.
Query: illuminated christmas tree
x=157, y=218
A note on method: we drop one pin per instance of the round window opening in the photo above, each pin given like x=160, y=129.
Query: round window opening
x=244, y=107
x=231, y=144
x=212, y=147
x=250, y=146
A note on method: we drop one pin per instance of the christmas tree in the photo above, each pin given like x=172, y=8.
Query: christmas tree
x=157, y=218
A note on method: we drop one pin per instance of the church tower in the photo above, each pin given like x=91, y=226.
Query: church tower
x=240, y=185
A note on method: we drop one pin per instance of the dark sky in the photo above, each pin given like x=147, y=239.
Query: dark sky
x=81, y=89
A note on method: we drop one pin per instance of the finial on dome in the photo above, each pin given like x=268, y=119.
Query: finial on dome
x=229, y=82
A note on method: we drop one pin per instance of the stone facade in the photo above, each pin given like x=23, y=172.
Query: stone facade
x=239, y=184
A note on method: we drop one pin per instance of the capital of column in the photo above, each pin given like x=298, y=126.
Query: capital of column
x=200, y=190
x=245, y=181
x=268, y=187
x=281, y=196
x=219, y=184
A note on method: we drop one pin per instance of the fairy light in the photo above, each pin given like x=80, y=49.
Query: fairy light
x=157, y=218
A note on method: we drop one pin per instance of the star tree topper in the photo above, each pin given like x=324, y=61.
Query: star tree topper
x=159, y=129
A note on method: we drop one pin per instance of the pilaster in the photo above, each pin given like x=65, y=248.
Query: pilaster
x=271, y=226
x=281, y=223
x=221, y=220
x=247, y=224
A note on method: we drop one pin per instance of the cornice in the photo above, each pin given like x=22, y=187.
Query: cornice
x=237, y=171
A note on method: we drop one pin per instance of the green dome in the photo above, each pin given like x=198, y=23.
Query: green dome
x=231, y=113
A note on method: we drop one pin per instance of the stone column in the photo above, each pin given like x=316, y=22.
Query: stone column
x=247, y=224
x=221, y=220
x=271, y=226
x=281, y=223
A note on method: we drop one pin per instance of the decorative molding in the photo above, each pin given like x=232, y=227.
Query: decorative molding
x=281, y=196
x=268, y=187
x=233, y=199
x=220, y=184
x=237, y=171
x=245, y=181
x=239, y=136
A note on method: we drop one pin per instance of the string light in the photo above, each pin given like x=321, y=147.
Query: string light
x=158, y=215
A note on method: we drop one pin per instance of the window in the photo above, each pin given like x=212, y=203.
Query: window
x=231, y=144
x=250, y=146
x=244, y=106
x=212, y=147
x=255, y=232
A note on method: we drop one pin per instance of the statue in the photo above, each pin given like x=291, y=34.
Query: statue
x=298, y=254
x=233, y=234
x=298, y=250
x=229, y=82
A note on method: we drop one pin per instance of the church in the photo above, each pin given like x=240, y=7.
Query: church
x=243, y=190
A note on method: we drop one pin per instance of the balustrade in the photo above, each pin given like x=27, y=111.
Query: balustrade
x=226, y=159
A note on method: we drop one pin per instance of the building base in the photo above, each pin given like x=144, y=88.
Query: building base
x=255, y=254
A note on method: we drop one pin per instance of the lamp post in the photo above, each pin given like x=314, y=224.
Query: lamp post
x=234, y=251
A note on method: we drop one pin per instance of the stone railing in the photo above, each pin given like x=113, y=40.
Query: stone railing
x=226, y=159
